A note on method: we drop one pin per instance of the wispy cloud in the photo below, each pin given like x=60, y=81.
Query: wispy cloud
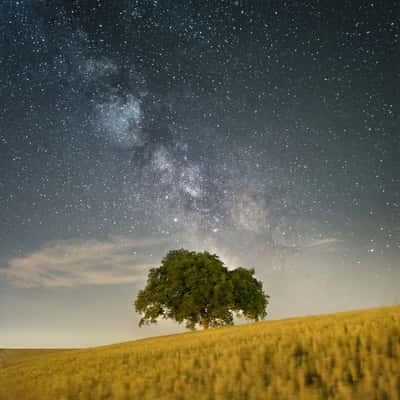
x=93, y=262
x=322, y=242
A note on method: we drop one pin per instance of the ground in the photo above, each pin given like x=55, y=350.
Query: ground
x=352, y=355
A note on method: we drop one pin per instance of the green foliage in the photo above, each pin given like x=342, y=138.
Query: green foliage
x=194, y=288
x=249, y=297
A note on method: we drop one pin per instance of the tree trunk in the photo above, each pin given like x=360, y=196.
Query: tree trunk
x=204, y=322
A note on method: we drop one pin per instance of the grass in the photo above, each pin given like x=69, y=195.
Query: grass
x=14, y=356
x=352, y=355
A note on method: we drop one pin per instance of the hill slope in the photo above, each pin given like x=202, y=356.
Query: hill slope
x=13, y=356
x=353, y=355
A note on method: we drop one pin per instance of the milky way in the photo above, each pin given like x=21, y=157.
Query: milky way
x=267, y=133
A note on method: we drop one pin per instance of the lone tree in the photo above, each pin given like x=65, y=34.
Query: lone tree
x=197, y=288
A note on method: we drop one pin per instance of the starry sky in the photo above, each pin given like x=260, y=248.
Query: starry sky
x=266, y=132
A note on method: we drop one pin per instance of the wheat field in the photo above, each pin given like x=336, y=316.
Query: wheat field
x=352, y=355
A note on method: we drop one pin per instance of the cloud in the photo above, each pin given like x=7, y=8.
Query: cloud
x=322, y=242
x=92, y=262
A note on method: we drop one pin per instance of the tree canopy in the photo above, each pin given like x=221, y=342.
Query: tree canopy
x=197, y=288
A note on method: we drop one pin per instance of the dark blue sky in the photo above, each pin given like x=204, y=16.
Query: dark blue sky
x=264, y=131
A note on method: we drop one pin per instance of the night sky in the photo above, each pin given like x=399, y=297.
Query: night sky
x=266, y=132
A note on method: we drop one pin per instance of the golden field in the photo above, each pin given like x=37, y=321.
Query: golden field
x=352, y=355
